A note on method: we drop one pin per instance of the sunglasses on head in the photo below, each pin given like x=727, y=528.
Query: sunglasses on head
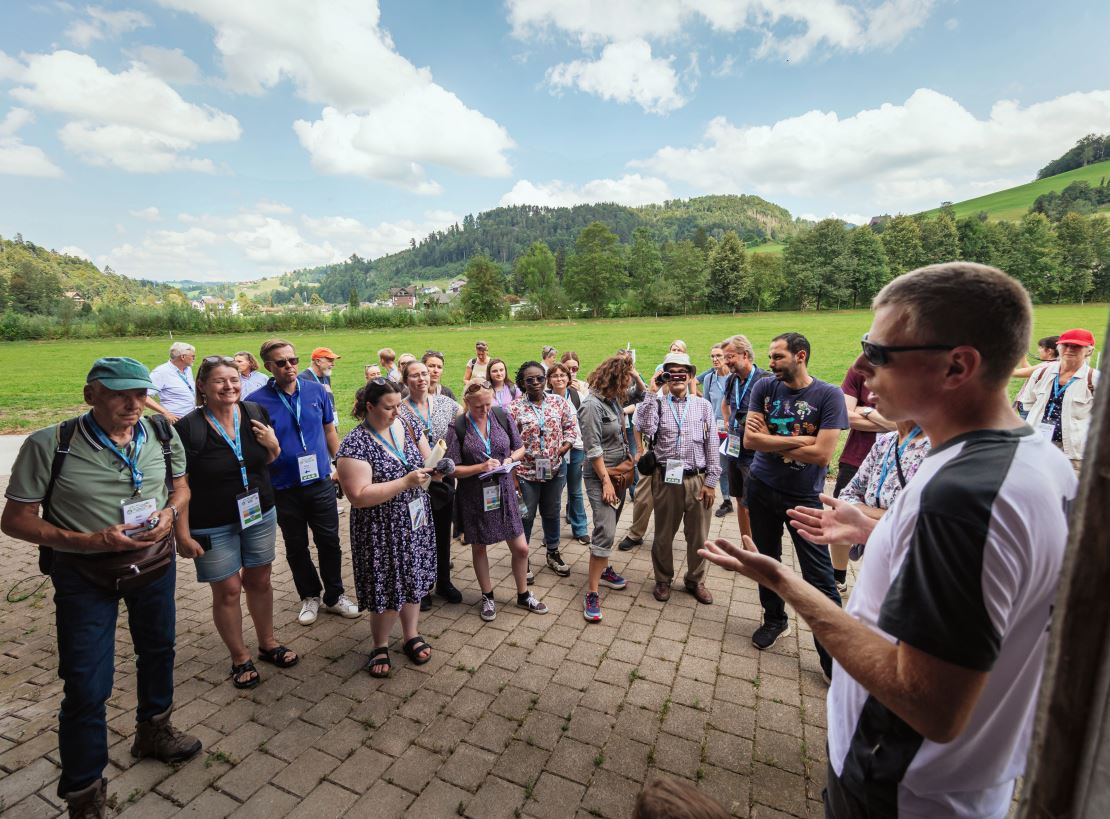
x=281, y=362
x=879, y=354
x=218, y=359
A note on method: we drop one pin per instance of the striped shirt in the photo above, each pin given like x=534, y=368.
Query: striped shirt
x=694, y=441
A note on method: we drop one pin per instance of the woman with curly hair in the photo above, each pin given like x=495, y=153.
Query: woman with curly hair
x=603, y=437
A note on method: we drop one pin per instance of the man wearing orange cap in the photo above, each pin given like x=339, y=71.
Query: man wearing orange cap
x=323, y=361
x=1061, y=393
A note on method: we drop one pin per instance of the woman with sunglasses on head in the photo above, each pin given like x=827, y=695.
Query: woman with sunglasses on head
x=504, y=391
x=381, y=468
x=481, y=440
x=558, y=383
x=230, y=529
x=548, y=430
x=433, y=414
x=434, y=360
x=572, y=362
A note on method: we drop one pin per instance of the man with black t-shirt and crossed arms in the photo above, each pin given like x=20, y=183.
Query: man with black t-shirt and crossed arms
x=940, y=651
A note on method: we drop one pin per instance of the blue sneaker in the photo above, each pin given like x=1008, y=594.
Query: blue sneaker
x=591, y=608
x=611, y=579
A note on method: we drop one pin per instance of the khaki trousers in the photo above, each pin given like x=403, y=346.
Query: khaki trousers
x=642, y=506
x=674, y=504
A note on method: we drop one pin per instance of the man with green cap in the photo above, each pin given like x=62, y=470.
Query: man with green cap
x=104, y=491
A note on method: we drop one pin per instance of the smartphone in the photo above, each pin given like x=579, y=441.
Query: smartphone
x=205, y=541
x=138, y=530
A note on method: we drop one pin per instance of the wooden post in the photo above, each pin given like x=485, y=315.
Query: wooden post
x=1068, y=773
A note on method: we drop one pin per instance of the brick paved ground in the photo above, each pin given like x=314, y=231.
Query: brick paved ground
x=524, y=716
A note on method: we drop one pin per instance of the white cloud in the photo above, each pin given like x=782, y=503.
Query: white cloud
x=377, y=240
x=132, y=120
x=384, y=118
x=951, y=24
x=169, y=64
x=625, y=72
x=631, y=189
x=271, y=208
x=896, y=157
x=73, y=250
x=150, y=214
x=10, y=69
x=101, y=24
x=17, y=158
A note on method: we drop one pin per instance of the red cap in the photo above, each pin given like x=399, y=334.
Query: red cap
x=324, y=352
x=1077, y=336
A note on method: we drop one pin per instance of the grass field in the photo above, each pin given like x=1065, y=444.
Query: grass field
x=774, y=248
x=42, y=380
x=1011, y=204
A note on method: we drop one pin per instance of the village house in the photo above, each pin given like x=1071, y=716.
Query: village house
x=402, y=297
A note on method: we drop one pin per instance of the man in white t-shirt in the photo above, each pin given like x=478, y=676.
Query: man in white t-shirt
x=939, y=652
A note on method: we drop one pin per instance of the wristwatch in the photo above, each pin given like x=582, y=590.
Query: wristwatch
x=866, y=411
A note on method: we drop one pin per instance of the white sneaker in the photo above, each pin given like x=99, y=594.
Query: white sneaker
x=489, y=610
x=309, y=607
x=343, y=607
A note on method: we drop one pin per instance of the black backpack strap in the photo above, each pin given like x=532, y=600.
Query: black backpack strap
x=65, y=437
x=164, y=433
x=504, y=420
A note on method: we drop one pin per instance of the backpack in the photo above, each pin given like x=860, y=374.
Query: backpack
x=460, y=427
x=162, y=432
x=1090, y=378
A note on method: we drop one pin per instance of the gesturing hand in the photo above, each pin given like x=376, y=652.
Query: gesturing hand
x=264, y=434
x=842, y=523
x=746, y=559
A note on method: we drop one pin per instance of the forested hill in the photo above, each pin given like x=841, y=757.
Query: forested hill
x=33, y=278
x=505, y=233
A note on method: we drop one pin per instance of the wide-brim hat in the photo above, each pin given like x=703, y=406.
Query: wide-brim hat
x=679, y=358
x=120, y=374
x=1077, y=336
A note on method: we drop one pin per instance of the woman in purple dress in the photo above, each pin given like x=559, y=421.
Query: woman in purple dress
x=489, y=508
x=381, y=469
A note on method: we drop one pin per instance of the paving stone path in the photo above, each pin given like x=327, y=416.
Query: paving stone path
x=524, y=716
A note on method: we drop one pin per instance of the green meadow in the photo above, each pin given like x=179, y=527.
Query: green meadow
x=42, y=380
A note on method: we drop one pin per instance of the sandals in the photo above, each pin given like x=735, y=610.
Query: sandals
x=279, y=656
x=242, y=670
x=413, y=647
x=379, y=657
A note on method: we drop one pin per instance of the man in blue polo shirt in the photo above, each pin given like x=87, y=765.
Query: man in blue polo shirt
x=302, y=476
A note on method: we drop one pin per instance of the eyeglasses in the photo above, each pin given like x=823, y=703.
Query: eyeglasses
x=879, y=354
x=535, y=379
x=218, y=359
x=572, y=370
x=281, y=362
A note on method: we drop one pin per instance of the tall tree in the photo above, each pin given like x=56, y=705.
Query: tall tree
x=816, y=263
x=1035, y=257
x=650, y=289
x=482, y=297
x=768, y=279
x=902, y=243
x=974, y=240
x=867, y=269
x=727, y=265
x=940, y=240
x=536, y=268
x=595, y=273
x=1077, y=258
x=686, y=269
x=352, y=298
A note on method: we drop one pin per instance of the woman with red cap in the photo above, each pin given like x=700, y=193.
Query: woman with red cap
x=1061, y=395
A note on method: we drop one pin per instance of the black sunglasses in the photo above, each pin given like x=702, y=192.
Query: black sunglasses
x=535, y=379
x=281, y=362
x=879, y=354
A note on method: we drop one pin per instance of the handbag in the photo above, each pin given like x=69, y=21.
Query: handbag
x=116, y=572
x=621, y=474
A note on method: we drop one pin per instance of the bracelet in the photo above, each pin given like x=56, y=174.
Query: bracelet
x=173, y=509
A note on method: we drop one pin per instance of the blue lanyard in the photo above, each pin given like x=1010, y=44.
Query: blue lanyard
x=485, y=441
x=680, y=421
x=294, y=408
x=181, y=375
x=540, y=419
x=235, y=443
x=886, y=458
x=315, y=377
x=427, y=422
x=130, y=461
x=1057, y=390
x=398, y=451
x=740, y=396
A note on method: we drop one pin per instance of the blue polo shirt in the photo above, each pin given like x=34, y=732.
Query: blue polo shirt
x=316, y=411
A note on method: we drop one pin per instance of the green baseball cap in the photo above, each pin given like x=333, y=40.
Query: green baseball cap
x=120, y=374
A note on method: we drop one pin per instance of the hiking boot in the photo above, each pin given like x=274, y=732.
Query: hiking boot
x=662, y=591
x=158, y=739
x=88, y=803
x=556, y=564
x=448, y=592
x=768, y=634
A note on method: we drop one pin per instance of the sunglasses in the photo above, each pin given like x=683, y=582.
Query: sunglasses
x=281, y=362
x=474, y=386
x=535, y=379
x=572, y=370
x=879, y=354
x=218, y=359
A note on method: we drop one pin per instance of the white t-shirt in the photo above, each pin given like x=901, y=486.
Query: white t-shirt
x=964, y=566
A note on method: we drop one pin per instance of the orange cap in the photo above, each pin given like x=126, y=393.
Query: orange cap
x=324, y=352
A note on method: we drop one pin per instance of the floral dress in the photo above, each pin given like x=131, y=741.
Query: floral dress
x=393, y=564
x=482, y=527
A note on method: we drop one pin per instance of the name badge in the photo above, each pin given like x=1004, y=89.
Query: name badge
x=250, y=508
x=136, y=513
x=418, y=515
x=673, y=474
x=735, y=444
x=491, y=497
x=543, y=469
x=1046, y=430
x=721, y=426
x=308, y=468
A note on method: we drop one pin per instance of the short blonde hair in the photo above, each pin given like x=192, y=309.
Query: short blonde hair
x=739, y=343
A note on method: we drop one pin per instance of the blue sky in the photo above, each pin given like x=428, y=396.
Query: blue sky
x=220, y=140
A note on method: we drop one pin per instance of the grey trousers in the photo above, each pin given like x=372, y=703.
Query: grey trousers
x=605, y=517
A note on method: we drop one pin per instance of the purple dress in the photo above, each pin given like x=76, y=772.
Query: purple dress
x=480, y=526
x=392, y=563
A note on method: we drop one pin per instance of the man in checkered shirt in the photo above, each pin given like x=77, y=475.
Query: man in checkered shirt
x=684, y=485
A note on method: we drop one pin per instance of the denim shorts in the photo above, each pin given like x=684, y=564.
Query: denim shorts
x=234, y=548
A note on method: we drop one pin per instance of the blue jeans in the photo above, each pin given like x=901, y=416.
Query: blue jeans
x=767, y=508
x=233, y=548
x=576, y=504
x=86, y=622
x=546, y=497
